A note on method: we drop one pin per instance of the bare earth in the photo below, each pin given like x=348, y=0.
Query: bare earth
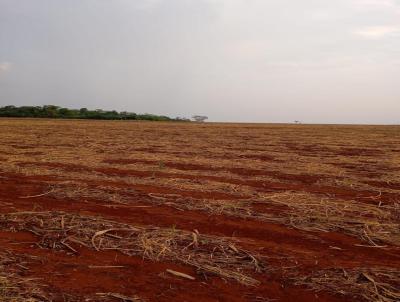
x=146, y=211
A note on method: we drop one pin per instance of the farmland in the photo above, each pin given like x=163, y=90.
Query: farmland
x=152, y=211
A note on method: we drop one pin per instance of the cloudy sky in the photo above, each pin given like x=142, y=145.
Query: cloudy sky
x=317, y=61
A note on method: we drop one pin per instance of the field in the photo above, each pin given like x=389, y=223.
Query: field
x=149, y=211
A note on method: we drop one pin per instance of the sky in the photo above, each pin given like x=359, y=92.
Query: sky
x=316, y=61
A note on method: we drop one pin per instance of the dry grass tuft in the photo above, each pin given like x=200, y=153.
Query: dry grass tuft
x=19, y=290
x=376, y=225
x=79, y=190
x=210, y=254
x=14, y=287
x=373, y=285
x=106, y=297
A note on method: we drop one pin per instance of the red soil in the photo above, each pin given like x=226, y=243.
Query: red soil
x=148, y=279
x=279, y=246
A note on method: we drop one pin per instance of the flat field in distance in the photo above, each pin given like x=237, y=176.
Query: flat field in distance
x=147, y=211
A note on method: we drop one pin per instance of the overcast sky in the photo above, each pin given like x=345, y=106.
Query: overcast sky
x=317, y=61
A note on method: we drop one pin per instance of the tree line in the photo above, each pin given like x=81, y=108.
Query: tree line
x=52, y=111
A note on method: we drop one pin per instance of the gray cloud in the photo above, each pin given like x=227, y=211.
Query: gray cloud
x=378, y=32
x=5, y=66
x=234, y=60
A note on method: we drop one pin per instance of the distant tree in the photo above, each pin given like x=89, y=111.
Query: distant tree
x=83, y=112
x=128, y=115
x=64, y=112
x=199, y=118
x=51, y=111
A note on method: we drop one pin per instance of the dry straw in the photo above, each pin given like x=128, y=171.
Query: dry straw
x=376, y=225
x=14, y=287
x=209, y=254
x=372, y=284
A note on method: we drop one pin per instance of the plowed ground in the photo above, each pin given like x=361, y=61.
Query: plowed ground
x=250, y=212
